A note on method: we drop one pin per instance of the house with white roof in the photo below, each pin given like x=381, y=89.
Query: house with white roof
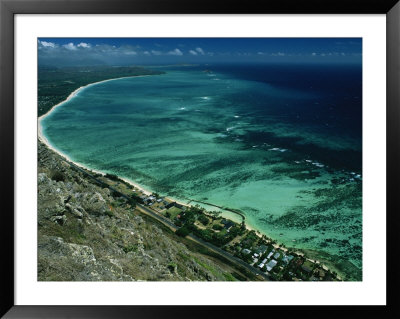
x=270, y=254
x=271, y=264
x=286, y=259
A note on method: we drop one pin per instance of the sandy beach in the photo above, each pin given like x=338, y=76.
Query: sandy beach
x=145, y=191
x=136, y=186
x=44, y=140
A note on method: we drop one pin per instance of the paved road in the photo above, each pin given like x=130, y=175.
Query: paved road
x=194, y=238
x=174, y=228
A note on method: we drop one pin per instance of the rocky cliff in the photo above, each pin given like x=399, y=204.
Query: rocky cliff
x=87, y=233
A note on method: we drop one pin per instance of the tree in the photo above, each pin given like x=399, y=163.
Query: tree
x=217, y=227
x=203, y=219
x=183, y=231
x=58, y=176
x=235, y=231
x=215, y=215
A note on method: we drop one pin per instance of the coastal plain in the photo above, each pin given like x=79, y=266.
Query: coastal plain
x=284, y=156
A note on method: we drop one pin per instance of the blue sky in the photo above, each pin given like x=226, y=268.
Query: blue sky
x=136, y=51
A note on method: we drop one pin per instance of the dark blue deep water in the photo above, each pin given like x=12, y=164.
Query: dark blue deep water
x=281, y=143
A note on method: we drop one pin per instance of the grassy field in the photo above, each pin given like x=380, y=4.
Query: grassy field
x=174, y=211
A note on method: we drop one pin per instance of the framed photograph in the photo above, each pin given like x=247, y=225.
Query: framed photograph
x=160, y=155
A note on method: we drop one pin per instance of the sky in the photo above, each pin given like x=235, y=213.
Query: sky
x=154, y=51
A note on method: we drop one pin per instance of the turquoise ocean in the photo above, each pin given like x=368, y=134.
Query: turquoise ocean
x=280, y=143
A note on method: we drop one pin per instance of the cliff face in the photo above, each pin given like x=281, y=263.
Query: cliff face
x=85, y=233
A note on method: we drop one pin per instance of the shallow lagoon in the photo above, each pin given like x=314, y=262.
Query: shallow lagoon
x=288, y=157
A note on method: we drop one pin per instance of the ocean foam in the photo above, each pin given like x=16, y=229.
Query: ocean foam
x=318, y=164
x=277, y=149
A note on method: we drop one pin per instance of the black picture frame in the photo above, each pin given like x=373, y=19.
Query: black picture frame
x=8, y=10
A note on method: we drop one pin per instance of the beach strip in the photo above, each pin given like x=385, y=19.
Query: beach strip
x=140, y=188
x=44, y=139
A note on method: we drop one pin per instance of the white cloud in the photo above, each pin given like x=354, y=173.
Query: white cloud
x=69, y=46
x=146, y=53
x=192, y=52
x=130, y=53
x=278, y=54
x=313, y=54
x=48, y=44
x=260, y=53
x=200, y=50
x=84, y=45
x=175, y=52
x=155, y=52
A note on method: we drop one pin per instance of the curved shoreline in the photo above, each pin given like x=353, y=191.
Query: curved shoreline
x=145, y=191
x=44, y=140
x=75, y=93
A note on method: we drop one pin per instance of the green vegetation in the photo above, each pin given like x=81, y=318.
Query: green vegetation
x=113, y=177
x=183, y=231
x=217, y=227
x=129, y=248
x=55, y=84
x=57, y=176
x=72, y=231
x=174, y=212
x=229, y=277
x=206, y=266
x=203, y=219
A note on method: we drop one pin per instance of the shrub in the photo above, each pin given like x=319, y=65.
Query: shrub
x=217, y=227
x=203, y=219
x=183, y=231
x=171, y=267
x=129, y=248
x=58, y=176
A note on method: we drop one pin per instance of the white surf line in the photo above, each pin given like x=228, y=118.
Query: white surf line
x=44, y=140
